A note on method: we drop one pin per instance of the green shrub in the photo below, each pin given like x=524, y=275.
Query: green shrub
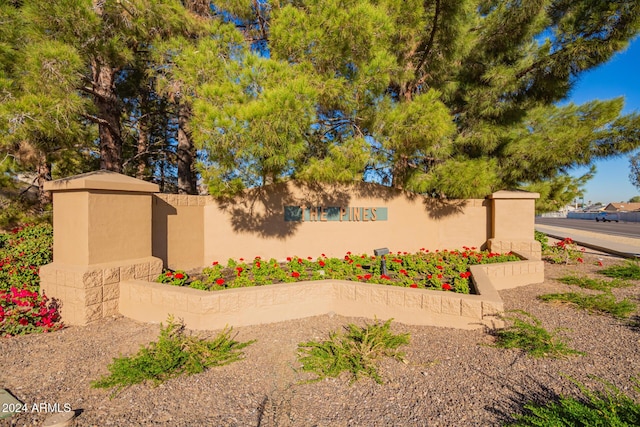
x=594, y=284
x=600, y=303
x=607, y=407
x=174, y=354
x=630, y=271
x=542, y=238
x=355, y=351
x=526, y=333
x=24, y=251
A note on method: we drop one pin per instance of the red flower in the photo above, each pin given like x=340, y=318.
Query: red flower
x=169, y=274
x=288, y=258
x=257, y=257
x=220, y=282
x=241, y=259
x=446, y=287
x=367, y=276
x=403, y=272
x=358, y=265
x=214, y=263
x=580, y=260
x=258, y=264
x=321, y=263
x=600, y=263
x=239, y=269
x=439, y=267
x=295, y=274
x=323, y=255
x=349, y=253
x=413, y=285
x=23, y=321
x=385, y=277
x=299, y=260
x=309, y=258
x=179, y=276
x=429, y=276
x=439, y=276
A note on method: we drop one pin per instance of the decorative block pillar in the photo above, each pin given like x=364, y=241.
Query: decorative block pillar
x=101, y=235
x=513, y=223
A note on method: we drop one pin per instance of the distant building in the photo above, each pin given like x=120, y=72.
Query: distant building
x=622, y=207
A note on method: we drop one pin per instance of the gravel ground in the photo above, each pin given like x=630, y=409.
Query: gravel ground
x=451, y=377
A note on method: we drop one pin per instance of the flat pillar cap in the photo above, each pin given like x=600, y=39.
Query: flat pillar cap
x=514, y=194
x=102, y=180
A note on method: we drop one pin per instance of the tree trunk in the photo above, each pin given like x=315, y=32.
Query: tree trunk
x=43, y=175
x=400, y=172
x=185, y=152
x=109, y=129
x=142, y=148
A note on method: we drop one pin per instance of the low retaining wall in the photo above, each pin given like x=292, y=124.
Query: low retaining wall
x=205, y=310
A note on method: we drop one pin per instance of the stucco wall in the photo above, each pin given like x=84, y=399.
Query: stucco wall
x=201, y=229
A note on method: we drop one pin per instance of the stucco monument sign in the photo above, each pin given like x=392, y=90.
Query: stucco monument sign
x=113, y=235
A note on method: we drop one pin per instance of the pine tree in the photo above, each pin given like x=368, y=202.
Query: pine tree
x=456, y=99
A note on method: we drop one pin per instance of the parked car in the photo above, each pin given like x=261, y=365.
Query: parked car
x=607, y=216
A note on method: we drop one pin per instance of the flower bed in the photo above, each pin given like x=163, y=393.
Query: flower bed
x=22, y=309
x=439, y=270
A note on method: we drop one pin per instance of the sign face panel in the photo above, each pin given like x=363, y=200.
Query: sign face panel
x=334, y=213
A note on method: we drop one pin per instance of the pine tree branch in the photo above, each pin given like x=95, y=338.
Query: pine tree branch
x=426, y=47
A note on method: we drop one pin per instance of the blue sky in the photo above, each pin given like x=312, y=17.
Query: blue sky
x=618, y=77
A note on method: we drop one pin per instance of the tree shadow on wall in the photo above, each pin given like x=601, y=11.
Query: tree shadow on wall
x=261, y=210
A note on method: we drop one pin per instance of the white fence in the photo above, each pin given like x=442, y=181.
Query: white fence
x=624, y=216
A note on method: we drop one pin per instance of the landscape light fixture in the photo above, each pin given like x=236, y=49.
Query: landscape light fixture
x=382, y=252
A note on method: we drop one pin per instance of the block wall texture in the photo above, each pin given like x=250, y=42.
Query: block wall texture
x=154, y=302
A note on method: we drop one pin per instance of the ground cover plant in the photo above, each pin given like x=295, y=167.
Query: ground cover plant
x=23, y=309
x=630, y=270
x=594, y=284
x=356, y=351
x=606, y=407
x=442, y=270
x=525, y=332
x=604, y=303
x=175, y=353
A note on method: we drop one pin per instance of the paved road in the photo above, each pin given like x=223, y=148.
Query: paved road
x=625, y=229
